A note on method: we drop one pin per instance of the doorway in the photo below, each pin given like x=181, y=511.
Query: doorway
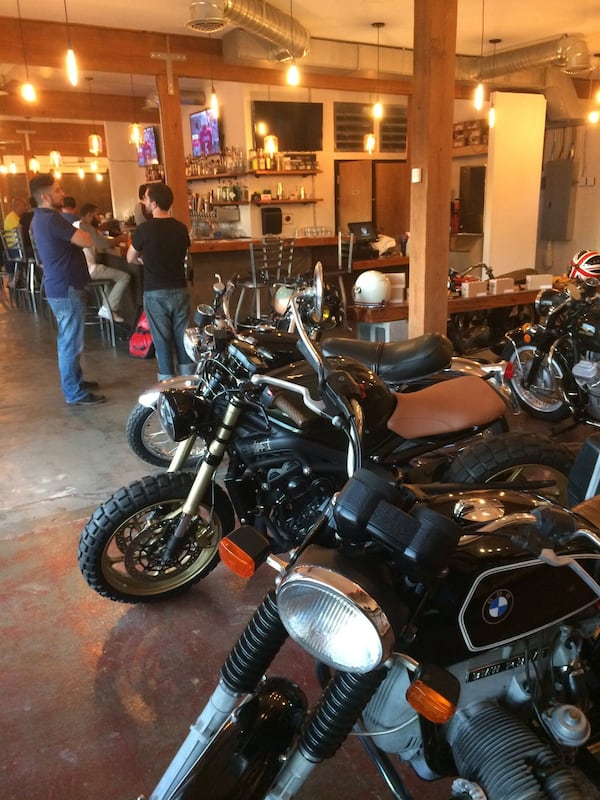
x=373, y=190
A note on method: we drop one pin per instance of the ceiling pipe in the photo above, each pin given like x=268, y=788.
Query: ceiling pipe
x=286, y=37
x=568, y=53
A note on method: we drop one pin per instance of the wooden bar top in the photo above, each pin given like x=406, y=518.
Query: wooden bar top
x=456, y=305
x=233, y=245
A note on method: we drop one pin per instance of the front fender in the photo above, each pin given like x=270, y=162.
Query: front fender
x=149, y=397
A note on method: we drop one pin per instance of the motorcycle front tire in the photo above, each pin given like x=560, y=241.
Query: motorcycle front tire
x=515, y=458
x=545, y=403
x=149, y=442
x=121, y=548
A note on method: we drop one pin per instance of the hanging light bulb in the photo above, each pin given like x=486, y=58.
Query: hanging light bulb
x=12, y=168
x=479, y=89
x=57, y=174
x=134, y=131
x=70, y=60
x=55, y=158
x=292, y=76
x=377, y=110
x=492, y=111
x=214, y=103
x=93, y=166
x=492, y=115
x=369, y=142
x=27, y=90
x=34, y=164
x=81, y=173
x=99, y=177
x=94, y=139
x=594, y=114
x=3, y=167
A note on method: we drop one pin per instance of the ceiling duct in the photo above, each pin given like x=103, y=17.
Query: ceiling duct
x=568, y=53
x=286, y=37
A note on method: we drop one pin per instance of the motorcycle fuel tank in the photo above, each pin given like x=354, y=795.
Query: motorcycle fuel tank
x=496, y=593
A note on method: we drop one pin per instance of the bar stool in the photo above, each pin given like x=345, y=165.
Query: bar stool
x=97, y=293
x=14, y=251
x=270, y=262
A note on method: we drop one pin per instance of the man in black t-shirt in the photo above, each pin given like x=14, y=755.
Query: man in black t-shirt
x=160, y=244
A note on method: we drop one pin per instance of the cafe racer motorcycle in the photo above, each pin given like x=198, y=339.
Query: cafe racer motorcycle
x=160, y=534
x=458, y=633
x=556, y=360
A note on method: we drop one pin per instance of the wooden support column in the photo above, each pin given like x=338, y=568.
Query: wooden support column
x=431, y=152
x=172, y=142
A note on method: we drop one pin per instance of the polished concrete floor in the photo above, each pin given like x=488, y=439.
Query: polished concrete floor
x=96, y=696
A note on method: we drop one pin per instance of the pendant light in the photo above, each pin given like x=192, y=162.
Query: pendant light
x=134, y=131
x=214, y=102
x=492, y=111
x=479, y=90
x=377, y=110
x=594, y=114
x=12, y=168
x=94, y=139
x=70, y=60
x=293, y=74
x=55, y=159
x=27, y=90
x=34, y=165
x=369, y=142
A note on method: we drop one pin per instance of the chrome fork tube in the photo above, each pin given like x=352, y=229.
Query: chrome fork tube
x=182, y=454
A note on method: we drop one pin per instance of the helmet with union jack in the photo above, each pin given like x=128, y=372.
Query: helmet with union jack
x=585, y=264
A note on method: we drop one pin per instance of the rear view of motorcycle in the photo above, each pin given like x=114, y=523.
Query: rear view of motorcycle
x=285, y=441
x=556, y=360
x=458, y=633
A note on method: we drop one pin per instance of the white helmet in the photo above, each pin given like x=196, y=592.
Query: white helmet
x=372, y=288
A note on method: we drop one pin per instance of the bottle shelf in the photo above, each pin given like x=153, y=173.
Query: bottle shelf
x=302, y=172
x=218, y=177
x=296, y=202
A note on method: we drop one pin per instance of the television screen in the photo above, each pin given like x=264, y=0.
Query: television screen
x=148, y=151
x=298, y=126
x=205, y=133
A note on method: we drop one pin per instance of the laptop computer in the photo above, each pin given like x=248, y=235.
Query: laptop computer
x=364, y=232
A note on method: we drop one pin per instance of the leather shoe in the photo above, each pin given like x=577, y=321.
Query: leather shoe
x=89, y=386
x=89, y=400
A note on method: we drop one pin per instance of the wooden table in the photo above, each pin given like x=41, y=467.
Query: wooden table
x=456, y=305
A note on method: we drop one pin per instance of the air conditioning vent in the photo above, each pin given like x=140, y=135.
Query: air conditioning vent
x=207, y=17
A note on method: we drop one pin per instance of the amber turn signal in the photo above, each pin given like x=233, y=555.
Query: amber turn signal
x=244, y=550
x=434, y=694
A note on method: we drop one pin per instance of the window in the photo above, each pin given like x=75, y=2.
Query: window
x=352, y=121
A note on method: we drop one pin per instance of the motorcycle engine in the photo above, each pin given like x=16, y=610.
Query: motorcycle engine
x=293, y=499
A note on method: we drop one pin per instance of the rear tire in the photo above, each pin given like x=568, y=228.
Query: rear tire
x=149, y=442
x=544, y=400
x=121, y=549
x=515, y=457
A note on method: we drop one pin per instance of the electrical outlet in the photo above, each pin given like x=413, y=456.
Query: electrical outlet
x=288, y=219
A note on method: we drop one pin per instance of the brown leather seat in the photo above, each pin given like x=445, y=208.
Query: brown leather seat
x=590, y=510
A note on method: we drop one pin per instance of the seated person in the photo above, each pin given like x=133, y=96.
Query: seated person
x=89, y=222
x=69, y=209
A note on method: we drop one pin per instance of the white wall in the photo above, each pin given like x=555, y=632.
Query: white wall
x=125, y=175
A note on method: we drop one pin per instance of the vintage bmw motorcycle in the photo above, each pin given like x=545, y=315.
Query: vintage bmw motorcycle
x=160, y=534
x=458, y=632
x=556, y=360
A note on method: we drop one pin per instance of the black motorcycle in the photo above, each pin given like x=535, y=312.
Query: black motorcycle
x=556, y=360
x=458, y=633
x=278, y=448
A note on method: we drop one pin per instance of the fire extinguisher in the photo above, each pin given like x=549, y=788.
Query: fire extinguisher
x=454, y=216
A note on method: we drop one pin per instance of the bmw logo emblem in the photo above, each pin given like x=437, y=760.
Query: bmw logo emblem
x=497, y=606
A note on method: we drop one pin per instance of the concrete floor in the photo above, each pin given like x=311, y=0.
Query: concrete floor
x=96, y=696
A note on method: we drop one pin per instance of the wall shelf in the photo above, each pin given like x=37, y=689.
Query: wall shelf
x=275, y=202
x=219, y=176
x=297, y=172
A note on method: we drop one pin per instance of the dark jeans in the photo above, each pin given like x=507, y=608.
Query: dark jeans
x=168, y=312
x=70, y=318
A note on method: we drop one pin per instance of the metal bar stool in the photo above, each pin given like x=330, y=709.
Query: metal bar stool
x=14, y=252
x=270, y=262
x=97, y=292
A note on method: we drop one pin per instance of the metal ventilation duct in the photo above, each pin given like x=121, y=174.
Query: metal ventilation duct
x=567, y=53
x=288, y=39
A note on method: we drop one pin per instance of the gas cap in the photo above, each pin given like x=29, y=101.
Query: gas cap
x=478, y=509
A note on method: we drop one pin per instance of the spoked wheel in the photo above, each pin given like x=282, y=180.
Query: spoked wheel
x=543, y=399
x=516, y=458
x=149, y=442
x=123, y=548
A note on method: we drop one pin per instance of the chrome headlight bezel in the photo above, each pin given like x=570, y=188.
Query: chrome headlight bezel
x=181, y=413
x=335, y=616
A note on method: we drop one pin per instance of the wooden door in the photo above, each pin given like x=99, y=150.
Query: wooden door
x=354, y=202
x=392, y=197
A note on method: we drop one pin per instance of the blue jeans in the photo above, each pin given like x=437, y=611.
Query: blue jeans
x=168, y=312
x=70, y=318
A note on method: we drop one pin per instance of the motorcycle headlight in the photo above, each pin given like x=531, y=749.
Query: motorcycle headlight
x=548, y=299
x=181, y=413
x=334, y=617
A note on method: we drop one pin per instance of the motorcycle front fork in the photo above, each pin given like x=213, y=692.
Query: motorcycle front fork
x=206, y=471
x=323, y=731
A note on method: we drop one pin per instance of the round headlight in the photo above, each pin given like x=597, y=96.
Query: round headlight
x=548, y=299
x=180, y=412
x=334, y=619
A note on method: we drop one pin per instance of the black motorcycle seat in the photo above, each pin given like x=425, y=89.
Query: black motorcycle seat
x=395, y=362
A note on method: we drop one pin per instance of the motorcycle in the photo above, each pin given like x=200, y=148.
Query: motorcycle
x=423, y=616
x=404, y=366
x=556, y=360
x=285, y=457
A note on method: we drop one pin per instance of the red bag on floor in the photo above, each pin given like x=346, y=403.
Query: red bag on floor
x=140, y=341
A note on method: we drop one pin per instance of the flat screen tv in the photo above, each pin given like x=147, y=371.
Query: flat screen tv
x=206, y=140
x=147, y=152
x=298, y=126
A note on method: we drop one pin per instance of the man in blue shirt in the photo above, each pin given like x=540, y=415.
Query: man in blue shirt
x=65, y=277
